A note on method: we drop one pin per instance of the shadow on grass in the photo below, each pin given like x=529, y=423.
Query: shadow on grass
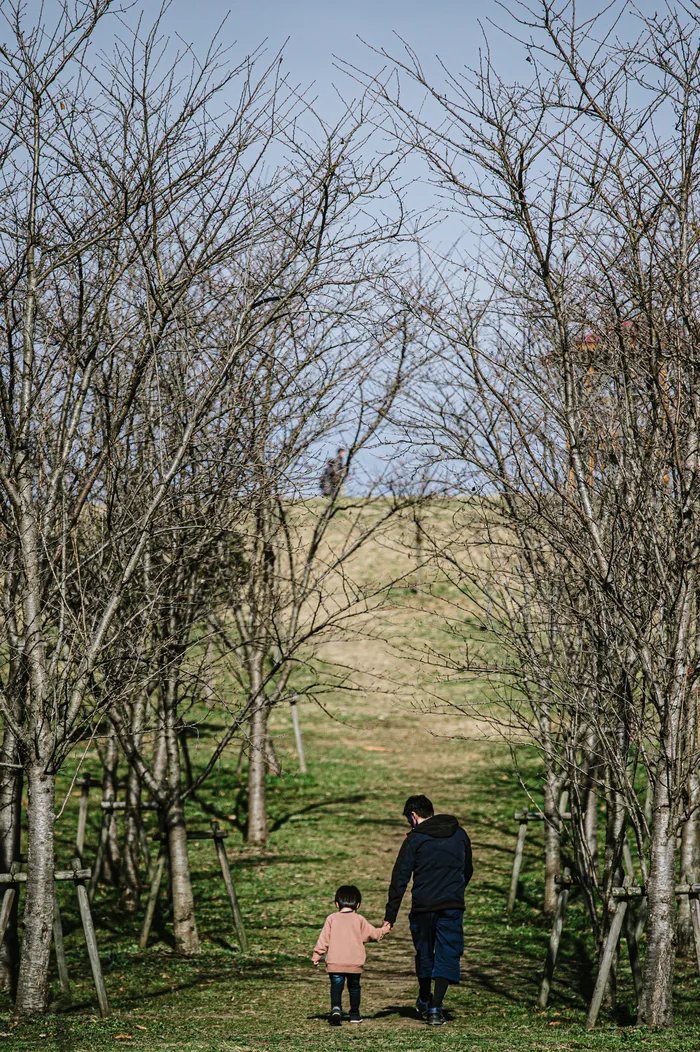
x=356, y=798
x=276, y=860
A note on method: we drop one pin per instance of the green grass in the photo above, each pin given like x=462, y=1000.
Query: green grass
x=341, y=823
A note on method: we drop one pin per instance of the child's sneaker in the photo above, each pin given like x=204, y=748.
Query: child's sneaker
x=422, y=1008
x=336, y=1017
x=354, y=1016
x=435, y=1017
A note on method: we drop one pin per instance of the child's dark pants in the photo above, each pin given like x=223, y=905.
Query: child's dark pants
x=337, y=984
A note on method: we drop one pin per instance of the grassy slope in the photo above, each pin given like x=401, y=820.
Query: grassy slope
x=341, y=823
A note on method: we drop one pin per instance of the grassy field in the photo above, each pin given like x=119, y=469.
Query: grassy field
x=341, y=823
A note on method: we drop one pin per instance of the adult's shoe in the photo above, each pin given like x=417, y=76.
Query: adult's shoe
x=435, y=1017
x=336, y=1017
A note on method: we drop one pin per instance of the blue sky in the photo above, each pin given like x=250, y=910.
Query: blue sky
x=318, y=32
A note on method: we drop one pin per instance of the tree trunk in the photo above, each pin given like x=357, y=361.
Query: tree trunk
x=612, y=877
x=160, y=756
x=656, y=1007
x=689, y=863
x=111, y=860
x=690, y=836
x=32, y=989
x=10, y=830
x=552, y=843
x=184, y=923
x=257, y=769
x=131, y=854
x=590, y=821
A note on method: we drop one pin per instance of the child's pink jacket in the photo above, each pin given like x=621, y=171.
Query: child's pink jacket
x=342, y=940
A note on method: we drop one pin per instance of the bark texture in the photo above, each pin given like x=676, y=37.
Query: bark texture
x=111, y=861
x=184, y=922
x=10, y=827
x=656, y=1007
x=552, y=844
x=257, y=769
x=32, y=988
x=689, y=863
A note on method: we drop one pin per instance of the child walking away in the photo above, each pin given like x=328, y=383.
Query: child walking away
x=342, y=940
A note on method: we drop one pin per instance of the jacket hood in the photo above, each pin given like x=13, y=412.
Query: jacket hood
x=439, y=826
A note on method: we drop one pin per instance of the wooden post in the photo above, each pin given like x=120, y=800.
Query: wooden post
x=640, y=926
x=241, y=758
x=152, y=898
x=606, y=962
x=209, y=662
x=101, y=849
x=90, y=940
x=187, y=762
x=627, y=857
x=6, y=909
x=554, y=939
x=419, y=554
x=145, y=849
x=633, y=951
x=297, y=734
x=517, y=862
x=82, y=816
x=694, y=915
x=59, y=946
x=230, y=890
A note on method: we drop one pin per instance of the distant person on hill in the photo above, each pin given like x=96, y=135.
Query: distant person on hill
x=438, y=855
x=342, y=940
x=333, y=475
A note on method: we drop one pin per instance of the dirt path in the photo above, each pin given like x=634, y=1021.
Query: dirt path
x=397, y=754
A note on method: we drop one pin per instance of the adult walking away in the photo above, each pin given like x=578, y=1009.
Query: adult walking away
x=333, y=475
x=437, y=853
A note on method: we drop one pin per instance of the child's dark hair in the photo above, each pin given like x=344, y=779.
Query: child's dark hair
x=348, y=897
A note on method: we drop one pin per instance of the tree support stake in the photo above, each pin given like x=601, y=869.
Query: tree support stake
x=554, y=939
x=228, y=882
x=90, y=938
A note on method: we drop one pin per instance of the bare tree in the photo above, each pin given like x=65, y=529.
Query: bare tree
x=125, y=187
x=572, y=393
x=292, y=587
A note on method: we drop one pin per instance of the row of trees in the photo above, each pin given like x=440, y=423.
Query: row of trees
x=196, y=300
x=570, y=400
x=199, y=295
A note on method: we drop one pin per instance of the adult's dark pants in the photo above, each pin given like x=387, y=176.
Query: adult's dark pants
x=438, y=938
x=338, y=982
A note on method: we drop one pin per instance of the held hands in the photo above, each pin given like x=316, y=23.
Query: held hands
x=386, y=927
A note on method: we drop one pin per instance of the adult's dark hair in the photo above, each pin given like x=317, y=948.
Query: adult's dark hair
x=419, y=805
x=348, y=897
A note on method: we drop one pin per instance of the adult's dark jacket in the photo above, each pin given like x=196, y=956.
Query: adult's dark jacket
x=438, y=854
